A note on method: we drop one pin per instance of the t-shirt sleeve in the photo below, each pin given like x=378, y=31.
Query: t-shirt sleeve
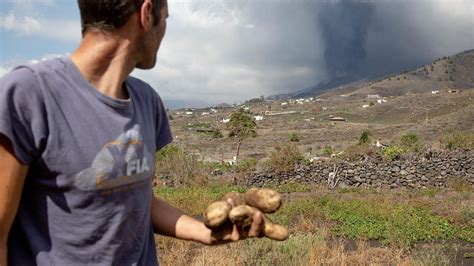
x=22, y=114
x=163, y=130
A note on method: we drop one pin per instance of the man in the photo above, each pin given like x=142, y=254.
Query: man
x=77, y=144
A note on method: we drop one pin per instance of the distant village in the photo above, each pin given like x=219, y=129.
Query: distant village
x=284, y=104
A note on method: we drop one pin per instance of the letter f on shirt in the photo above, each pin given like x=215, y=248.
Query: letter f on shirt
x=137, y=166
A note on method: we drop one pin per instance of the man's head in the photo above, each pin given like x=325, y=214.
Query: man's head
x=110, y=16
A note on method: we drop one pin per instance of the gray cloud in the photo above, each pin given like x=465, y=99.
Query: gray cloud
x=227, y=51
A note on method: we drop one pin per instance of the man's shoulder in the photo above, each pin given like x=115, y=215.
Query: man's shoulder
x=27, y=72
x=143, y=88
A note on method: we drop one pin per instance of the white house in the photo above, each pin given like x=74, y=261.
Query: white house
x=258, y=117
x=365, y=106
x=225, y=120
x=434, y=92
x=189, y=113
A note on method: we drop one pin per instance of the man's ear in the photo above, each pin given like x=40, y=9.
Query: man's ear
x=146, y=15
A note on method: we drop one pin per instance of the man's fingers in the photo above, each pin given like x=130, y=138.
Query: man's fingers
x=231, y=202
x=235, y=236
x=256, y=225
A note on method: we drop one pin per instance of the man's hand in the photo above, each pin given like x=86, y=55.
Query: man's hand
x=229, y=232
x=169, y=221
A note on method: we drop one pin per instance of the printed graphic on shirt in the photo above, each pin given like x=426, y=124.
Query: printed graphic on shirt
x=123, y=161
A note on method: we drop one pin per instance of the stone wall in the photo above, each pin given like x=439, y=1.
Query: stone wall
x=416, y=171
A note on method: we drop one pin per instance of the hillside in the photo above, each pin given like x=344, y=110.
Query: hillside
x=455, y=71
x=405, y=103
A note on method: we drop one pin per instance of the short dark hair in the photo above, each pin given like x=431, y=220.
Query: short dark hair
x=109, y=15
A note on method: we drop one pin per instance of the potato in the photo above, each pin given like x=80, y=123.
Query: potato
x=237, y=198
x=266, y=200
x=243, y=216
x=216, y=214
x=274, y=231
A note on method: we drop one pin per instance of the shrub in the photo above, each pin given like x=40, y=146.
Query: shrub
x=327, y=150
x=458, y=140
x=283, y=158
x=371, y=103
x=172, y=163
x=217, y=134
x=360, y=151
x=410, y=142
x=294, y=137
x=364, y=137
x=393, y=152
x=247, y=164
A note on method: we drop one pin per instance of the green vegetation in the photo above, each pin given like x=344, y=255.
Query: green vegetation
x=217, y=133
x=294, y=137
x=458, y=140
x=245, y=165
x=283, y=158
x=364, y=137
x=410, y=142
x=399, y=224
x=358, y=214
x=241, y=126
x=205, y=128
x=327, y=150
x=393, y=152
x=174, y=164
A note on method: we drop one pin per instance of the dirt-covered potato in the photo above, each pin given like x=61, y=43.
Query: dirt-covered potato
x=243, y=216
x=274, y=231
x=264, y=199
x=237, y=198
x=216, y=214
x=245, y=206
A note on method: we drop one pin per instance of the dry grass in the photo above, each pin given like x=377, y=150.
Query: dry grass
x=312, y=240
x=300, y=249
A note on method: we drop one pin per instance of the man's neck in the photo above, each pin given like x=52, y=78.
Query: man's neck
x=105, y=61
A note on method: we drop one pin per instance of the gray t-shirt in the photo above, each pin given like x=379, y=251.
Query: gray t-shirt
x=87, y=195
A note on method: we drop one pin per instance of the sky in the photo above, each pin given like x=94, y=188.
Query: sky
x=229, y=51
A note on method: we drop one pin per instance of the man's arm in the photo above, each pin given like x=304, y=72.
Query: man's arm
x=12, y=178
x=170, y=221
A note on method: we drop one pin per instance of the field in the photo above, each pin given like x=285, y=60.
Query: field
x=347, y=226
x=429, y=116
